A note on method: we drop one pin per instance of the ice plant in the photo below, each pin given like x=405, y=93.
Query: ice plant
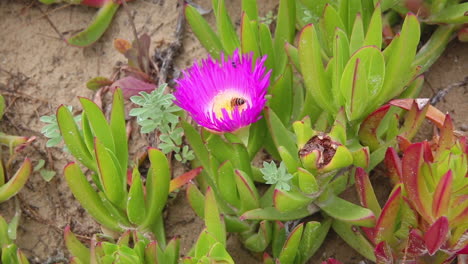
x=424, y=219
x=227, y=95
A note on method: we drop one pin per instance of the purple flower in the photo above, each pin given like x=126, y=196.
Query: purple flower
x=225, y=96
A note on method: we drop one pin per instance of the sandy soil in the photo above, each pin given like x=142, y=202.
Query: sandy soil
x=38, y=72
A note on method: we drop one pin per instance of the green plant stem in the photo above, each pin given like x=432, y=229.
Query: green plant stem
x=433, y=48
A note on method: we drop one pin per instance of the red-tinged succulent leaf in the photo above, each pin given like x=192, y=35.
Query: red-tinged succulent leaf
x=383, y=253
x=461, y=218
x=14, y=185
x=403, y=143
x=436, y=235
x=94, y=3
x=427, y=154
x=368, y=130
x=184, y=178
x=441, y=200
x=129, y=177
x=393, y=164
x=98, y=82
x=463, y=34
x=414, y=181
x=433, y=114
x=366, y=192
x=414, y=118
x=416, y=246
x=76, y=248
x=267, y=259
x=331, y=261
x=369, y=232
x=447, y=137
x=387, y=222
x=132, y=86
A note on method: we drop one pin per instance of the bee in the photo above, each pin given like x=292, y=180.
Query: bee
x=234, y=64
x=236, y=102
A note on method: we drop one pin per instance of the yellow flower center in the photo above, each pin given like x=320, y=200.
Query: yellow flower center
x=228, y=100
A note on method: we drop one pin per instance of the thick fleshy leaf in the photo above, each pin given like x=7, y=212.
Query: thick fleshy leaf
x=112, y=180
x=291, y=246
x=280, y=134
x=349, y=9
x=227, y=184
x=451, y=14
x=312, y=69
x=226, y=30
x=413, y=120
x=414, y=181
x=312, y=238
x=247, y=192
x=341, y=57
x=196, y=200
x=157, y=186
x=368, y=130
x=249, y=36
x=136, y=209
x=271, y=213
x=98, y=82
x=250, y=8
x=416, y=245
x=354, y=238
x=266, y=44
x=88, y=198
x=366, y=192
x=179, y=181
x=76, y=248
x=73, y=139
x=259, y=241
x=14, y=185
x=345, y=211
x=118, y=128
x=293, y=55
x=393, y=164
x=388, y=220
x=447, y=137
x=101, y=129
x=443, y=191
x=281, y=96
x=399, y=69
x=383, y=253
x=213, y=221
x=303, y=130
x=374, y=32
x=198, y=146
x=286, y=201
x=330, y=21
x=362, y=81
x=357, y=36
x=203, y=31
x=436, y=235
x=97, y=27
x=433, y=114
x=285, y=32
x=307, y=181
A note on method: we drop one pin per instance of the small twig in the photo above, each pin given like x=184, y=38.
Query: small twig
x=46, y=16
x=442, y=93
x=174, y=48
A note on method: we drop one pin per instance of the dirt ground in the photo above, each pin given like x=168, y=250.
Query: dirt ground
x=38, y=72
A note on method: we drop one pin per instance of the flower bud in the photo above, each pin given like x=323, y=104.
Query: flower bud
x=323, y=154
